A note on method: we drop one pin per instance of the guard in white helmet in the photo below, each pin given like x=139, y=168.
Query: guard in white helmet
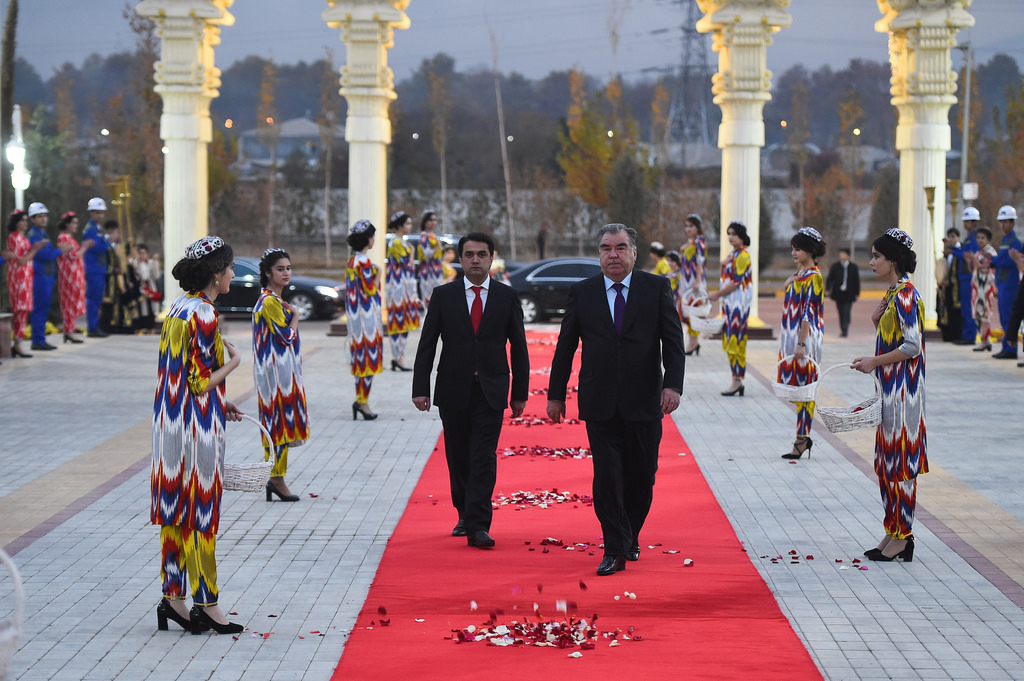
x=969, y=244
x=95, y=265
x=45, y=275
x=1007, y=278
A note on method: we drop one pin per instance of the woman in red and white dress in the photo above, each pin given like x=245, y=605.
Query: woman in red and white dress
x=19, y=276
x=71, y=275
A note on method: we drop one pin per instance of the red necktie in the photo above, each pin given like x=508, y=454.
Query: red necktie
x=477, y=311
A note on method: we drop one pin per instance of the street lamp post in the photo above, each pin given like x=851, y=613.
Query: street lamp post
x=20, y=177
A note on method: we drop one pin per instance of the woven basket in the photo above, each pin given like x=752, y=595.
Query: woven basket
x=707, y=325
x=796, y=393
x=700, y=308
x=10, y=629
x=249, y=477
x=866, y=414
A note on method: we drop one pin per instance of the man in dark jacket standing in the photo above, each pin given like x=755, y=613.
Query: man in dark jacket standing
x=843, y=285
x=629, y=327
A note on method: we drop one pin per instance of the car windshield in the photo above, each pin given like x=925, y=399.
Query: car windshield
x=244, y=270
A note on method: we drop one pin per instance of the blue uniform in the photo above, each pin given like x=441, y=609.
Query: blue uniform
x=43, y=281
x=970, y=245
x=1007, y=281
x=95, y=273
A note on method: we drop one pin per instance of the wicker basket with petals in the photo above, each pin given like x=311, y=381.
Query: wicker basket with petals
x=796, y=393
x=866, y=414
x=708, y=326
x=249, y=477
x=699, y=308
x=10, y=629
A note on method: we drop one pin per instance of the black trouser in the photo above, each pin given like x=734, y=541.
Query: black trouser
x=470, y=445
x=625, y=455
x=844, y=307
x=1016, y=317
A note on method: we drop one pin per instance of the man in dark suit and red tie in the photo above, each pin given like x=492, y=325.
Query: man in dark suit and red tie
x=629, y=328
x=475, y=317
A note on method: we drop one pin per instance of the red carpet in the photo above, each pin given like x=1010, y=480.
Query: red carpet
x=714, y=619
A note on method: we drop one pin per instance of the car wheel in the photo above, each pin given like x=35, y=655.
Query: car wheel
x=303, y=305
x=531, y=313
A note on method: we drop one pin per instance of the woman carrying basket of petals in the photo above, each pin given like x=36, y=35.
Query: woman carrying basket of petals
x=189, y=416
x=803, y=330
x=901, y=438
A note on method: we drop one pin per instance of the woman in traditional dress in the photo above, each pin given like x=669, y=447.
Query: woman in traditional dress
x=400, y=278
x=736, y=292
x=362, y=305
x=694, y=284
x=71, y=275
x=901, y=441
x=277, y=369
x=189, y=415
x=19, y=277
x=803, y=330
x=429, y=254
x=147, y=270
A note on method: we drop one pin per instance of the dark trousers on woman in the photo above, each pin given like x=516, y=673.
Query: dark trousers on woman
x=470, y=446
x=625, y=455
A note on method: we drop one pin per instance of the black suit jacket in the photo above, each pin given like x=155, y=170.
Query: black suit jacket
x=620, y=373
x=462, y=351
x=835, y=281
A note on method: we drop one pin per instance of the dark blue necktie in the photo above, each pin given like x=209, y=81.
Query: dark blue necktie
x=620, y=307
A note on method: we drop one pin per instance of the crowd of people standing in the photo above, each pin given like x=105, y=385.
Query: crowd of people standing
x=91, y=277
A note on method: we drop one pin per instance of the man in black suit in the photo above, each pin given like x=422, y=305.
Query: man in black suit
x=843, y=286
x=629, y=326
x=475, y=316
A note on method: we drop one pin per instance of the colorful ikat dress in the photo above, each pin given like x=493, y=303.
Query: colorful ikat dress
x=70, y=282
x=804, y=302
x=277, y=372
x=400, y=286
x=362, y=305
x=736, y=309
x=188, y=421
x=693, y=276
x=430, y=254
x=19, y=277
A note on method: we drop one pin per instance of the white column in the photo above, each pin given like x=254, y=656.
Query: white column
x=186, y=80
x=923, y=87
x=367, y=83
x=741, y=32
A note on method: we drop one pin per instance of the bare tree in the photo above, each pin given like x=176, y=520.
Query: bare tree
x=440, y=105
x=268, y=132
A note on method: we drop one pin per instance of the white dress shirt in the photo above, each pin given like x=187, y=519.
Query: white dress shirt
x=611, y=292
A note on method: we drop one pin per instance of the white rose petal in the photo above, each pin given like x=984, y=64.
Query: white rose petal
x=472, y=605
x=576, y=654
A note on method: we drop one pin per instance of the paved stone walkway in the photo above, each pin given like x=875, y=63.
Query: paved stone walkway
x=74, y=512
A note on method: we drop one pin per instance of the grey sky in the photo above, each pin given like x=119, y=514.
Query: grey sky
x=533, y=36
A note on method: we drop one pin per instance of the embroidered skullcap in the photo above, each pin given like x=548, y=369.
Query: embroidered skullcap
x=67, y=216
x=205, y=246
x=900, y=236
x=811, y=232
x=400, y=216
x=361, y=226
x=17, y=211
x=429, y=211
x=272, y=250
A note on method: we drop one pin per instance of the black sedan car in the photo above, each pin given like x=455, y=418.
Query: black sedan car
x=543, y=286
x=310, y=297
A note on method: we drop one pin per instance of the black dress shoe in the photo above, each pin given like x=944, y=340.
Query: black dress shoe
x=611, y=564
x=47, y=346
x=98, y=334
x=963, y=341
x=634, y=553
x=460, y=529
x=1002, y=354
x=480, y=539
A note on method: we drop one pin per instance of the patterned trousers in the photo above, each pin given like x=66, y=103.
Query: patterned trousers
x=899, y=499
x=363, y=385
x=398, y=341
x=189, y=552
x=280, y=461
x=804, y=418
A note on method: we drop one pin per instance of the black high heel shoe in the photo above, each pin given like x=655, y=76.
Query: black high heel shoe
x=271, y=490
x=906, y=555
x=735, y=391
x=395, y=366
x=15, y=352
x=200, y=619
x=984, y=348
x=695, y=351
x=357, y=411
x=68, y=338
x=165, y=612
x=798, y=451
